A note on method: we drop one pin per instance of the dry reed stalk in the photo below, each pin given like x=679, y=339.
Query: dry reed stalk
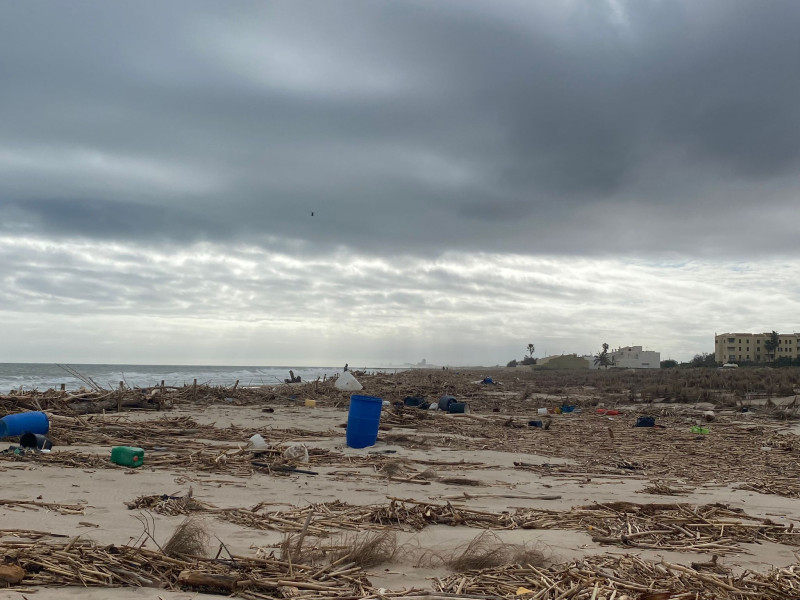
x=367, y=549
x=487, y=550
x=190, y=538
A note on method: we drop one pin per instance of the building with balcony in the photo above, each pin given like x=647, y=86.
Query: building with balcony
x=751, y=347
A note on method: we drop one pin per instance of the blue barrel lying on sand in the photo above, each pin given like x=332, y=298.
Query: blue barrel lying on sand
x=445, y=402
x=363, y=420
x=29, y=422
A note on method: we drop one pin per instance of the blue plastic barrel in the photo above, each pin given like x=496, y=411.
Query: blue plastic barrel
x=29, y=422
x=363, y=420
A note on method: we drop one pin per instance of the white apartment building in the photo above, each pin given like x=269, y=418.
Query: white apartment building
x=635, y=357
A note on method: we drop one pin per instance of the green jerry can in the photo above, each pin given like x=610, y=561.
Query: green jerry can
x=127, y=455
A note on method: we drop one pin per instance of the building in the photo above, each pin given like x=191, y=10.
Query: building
x=629, y=357
x=634, y=357
x=751, y=347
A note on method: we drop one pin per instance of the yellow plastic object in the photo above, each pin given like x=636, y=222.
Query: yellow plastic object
x=311, y=403
x=521, y=591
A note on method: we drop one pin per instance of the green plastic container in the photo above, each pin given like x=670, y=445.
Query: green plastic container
x=127, y=455
x=702, y=430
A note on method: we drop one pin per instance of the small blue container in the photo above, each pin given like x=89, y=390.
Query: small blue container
x=28, y=422
x=363, y=420
x=566, y=408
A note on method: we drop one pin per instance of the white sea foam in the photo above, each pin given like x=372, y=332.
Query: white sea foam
x=42, y=376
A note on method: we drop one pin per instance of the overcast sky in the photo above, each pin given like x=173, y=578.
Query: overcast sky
x=481, y=174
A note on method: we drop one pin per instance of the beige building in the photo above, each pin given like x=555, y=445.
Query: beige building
x=750, y=347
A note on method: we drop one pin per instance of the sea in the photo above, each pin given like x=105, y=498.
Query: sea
x=43, y=376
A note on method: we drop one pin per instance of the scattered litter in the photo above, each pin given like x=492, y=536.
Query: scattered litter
x=257, y=442
x=35, y=441
x=363, y=421
x=347, y=382
x=296, y=452
x=416, y=401
x=610, y=413
x=129, y=456
x=445, y=402
x=15, y=425
x=645, y=422
x=521, y=591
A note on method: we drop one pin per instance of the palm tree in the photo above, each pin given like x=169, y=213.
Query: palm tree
x=601, y=359
x=771, y=344
x=530, y=350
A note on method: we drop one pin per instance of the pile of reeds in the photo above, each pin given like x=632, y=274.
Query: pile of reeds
x=679, y=527
x=712, y=528
x=624, y=577
x=90, y=565
x=169, y=505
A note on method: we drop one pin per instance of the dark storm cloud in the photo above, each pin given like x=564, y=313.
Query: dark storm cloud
x=406, y=126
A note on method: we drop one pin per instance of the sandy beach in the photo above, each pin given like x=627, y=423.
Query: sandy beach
x=586, y=486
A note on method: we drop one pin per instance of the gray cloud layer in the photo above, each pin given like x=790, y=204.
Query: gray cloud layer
x=213, y=303
x=406, y=126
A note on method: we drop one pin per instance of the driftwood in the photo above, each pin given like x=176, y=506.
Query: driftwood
x=99, y=406
x=199, y=579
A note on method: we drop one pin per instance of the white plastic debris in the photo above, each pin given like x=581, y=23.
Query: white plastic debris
x=347, y=382
x=297, y=452
x=257, y=442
